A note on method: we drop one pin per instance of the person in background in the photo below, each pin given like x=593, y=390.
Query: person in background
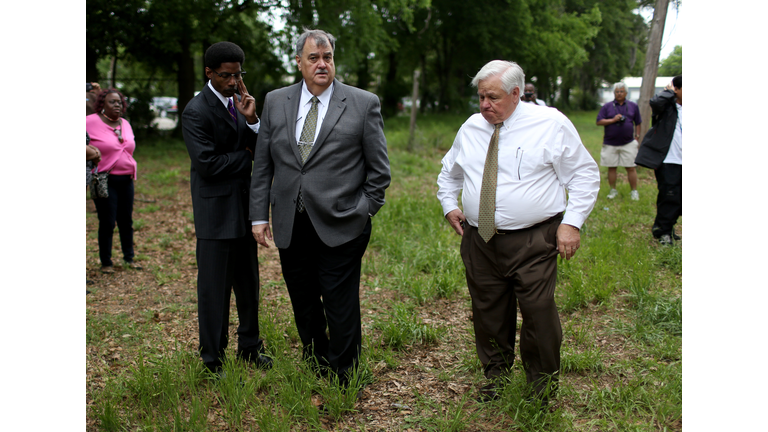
x=529, y=95
x=513, y=163
x=113, y=136
x=622, y=121
x=91, y=91
x=92, y=158
x=662, y=151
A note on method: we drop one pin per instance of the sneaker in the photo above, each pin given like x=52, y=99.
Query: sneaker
x=634, y=195
x=107, y=269
x=665, y=240
x=613, y=194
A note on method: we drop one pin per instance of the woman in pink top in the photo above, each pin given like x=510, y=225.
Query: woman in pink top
x=113, y=136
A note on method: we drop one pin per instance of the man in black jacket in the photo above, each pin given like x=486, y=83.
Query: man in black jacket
x=220, y=131
x=662, y=150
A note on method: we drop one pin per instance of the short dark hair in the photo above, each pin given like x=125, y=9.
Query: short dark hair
x=99, y=104
x=677, y=82
x=223, y=52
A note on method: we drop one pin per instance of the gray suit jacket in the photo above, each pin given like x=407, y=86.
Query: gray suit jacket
x=344, y=177
x=221, y=167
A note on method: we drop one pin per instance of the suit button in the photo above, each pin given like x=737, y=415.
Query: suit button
x=303, y=172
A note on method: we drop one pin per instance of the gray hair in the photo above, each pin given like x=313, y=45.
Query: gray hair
x=512, y=75
x=321, y=38
x=619, y=85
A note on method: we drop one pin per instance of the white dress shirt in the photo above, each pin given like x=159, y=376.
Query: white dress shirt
x=225, y=101
x=305, y=103
x=540, y=155
x=675, y=153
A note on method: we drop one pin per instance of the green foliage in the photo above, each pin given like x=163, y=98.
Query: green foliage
x=618, y=47
x=673, y=64
x=403, y=328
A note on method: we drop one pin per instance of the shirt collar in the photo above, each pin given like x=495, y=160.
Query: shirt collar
x=521, y=107
x=221, y=97
x=325, y=97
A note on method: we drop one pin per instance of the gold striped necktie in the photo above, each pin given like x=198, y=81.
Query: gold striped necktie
x=486, y=224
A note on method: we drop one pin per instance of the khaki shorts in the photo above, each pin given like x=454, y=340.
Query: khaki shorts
x=619, y=156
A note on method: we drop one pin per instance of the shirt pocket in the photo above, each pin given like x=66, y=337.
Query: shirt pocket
x=528, y=162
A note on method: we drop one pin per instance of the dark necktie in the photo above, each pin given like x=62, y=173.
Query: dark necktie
x=232, y=112
x=306, y=141
x=486, y=223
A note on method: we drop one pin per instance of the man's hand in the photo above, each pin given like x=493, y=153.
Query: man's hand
x=246, y=104
x=456, y=218
x=616, y=118
x=568, y=240
x=261, y=233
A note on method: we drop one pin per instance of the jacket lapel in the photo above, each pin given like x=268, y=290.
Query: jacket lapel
x=291, y=112
x=218, y=108
x=336, y=107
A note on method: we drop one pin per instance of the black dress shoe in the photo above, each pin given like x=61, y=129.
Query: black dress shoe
x=488, y=393
x=539, y=402
x=216, y=373
x=259, y=360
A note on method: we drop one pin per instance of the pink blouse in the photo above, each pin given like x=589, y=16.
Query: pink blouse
x=115, y=156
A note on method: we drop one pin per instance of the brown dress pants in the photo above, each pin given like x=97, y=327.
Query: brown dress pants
x=517, y=267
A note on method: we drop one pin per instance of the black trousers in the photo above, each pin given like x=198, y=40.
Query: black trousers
x=118, y=207
x=519, y=267
x=324, y=285
x=669, y=201
x=224, y=266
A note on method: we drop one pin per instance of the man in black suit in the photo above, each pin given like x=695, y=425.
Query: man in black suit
x=323, y=168
x=220, y=140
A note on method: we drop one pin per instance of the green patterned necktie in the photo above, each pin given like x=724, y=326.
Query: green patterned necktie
x=486, y=224
x=306, y=141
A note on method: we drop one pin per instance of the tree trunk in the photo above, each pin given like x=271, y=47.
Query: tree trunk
x=363, y=74
x=652, y=64
x=185, y=76
x=113, y=71
x=390, y=96
x=414, y=98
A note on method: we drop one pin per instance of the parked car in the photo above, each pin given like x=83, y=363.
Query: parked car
x=164, y=105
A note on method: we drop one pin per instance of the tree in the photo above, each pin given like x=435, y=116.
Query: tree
x=652, y=58
x=172, y=35
x=612, y=54
x=673, y=64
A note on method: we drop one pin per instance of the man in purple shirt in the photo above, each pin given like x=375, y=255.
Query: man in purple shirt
x=621, y=119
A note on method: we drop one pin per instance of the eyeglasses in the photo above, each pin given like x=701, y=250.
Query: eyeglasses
x=227, y=75
x=119, y=133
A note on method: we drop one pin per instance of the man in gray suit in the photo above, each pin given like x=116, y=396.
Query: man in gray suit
x=220, y=140
x=323, y=168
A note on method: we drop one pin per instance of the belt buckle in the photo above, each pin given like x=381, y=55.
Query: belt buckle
x=497, y=231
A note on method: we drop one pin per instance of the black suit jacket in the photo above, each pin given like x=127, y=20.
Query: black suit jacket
x=221, y=167
x=656, y=142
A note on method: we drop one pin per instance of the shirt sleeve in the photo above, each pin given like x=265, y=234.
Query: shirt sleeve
x=638, y=119
x=451, y=178
x=578, y=172
x=603, y=113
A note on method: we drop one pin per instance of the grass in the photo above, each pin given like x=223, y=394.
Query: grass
x=620, y=301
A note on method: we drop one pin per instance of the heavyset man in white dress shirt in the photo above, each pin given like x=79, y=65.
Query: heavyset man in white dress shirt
x=540, y=155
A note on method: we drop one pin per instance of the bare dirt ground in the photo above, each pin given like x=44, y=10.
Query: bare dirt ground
x=164, y=292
